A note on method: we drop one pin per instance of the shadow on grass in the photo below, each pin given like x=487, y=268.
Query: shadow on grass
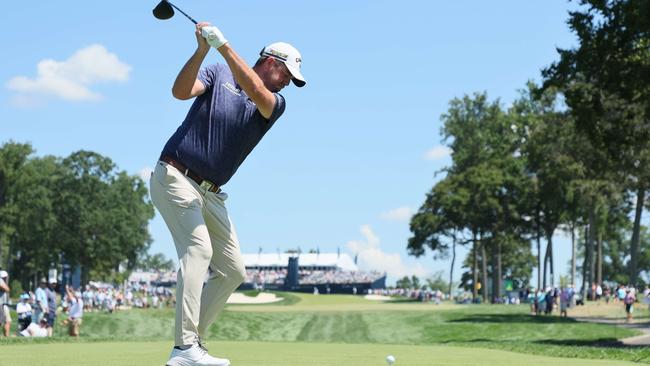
x=602, y=343
x=598, y=343
x=512, y=318
x=402, y=301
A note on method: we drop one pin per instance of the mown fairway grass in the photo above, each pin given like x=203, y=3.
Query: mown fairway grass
x=335, y=324
x=278, y=354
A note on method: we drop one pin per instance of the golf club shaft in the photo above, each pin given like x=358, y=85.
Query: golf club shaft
x=182, y=12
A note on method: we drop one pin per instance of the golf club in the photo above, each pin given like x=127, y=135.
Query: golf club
x=165, y=10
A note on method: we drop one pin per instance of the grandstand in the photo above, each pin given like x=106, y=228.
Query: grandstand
x=308, y=272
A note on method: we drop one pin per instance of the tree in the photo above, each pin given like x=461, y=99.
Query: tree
x=156, y=262
x=440, y=217
x=605, y=83
x=551, y=162
x=404, y=283
x=436, y=282
x=81, y=210
x=479, y=199
x=13, y=156
x=105, y=215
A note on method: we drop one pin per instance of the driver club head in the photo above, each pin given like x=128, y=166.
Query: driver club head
x=163, y=10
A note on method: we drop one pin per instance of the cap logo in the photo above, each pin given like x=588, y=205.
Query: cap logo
x=278, y=54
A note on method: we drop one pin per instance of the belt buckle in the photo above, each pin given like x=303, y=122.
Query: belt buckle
x=207, y=185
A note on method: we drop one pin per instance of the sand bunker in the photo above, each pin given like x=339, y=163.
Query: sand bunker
x=377, y=297
x=261, y=298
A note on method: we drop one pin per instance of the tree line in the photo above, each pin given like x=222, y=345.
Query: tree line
x=80, y=210
x=571, y=153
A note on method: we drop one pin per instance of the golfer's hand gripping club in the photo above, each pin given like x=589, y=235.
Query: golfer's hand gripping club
x=214, y=36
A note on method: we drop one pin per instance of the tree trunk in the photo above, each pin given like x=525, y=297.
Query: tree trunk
x=453, y=259
x=484, y=271
x=84, y=275
x=573, y=256
x=550, y=257
x=593, y=229
x=539, y=254
x=589, y=252
x=474, y=268
x=493, y=266
x=599, y=260
x=499, y=271
x=585, y=265
x=634, y=245
x=545, y=266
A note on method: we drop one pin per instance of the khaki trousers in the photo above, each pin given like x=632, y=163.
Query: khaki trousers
x=205, y=239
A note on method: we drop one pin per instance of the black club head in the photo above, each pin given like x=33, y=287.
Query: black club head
x=163, y=10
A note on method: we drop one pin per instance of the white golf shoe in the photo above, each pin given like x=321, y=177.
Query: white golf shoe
x=196, y=355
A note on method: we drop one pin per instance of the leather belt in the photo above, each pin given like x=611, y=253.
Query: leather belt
x=203, y=183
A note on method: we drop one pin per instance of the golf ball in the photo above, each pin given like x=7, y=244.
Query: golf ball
x=390, y=359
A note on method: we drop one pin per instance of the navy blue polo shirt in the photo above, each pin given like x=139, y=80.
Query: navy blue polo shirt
x=221, y=128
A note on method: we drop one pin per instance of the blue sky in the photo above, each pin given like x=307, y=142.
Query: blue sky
x=357, y=148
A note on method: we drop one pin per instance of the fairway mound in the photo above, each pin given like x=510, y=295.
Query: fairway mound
x=377, y=297
x=261, y=298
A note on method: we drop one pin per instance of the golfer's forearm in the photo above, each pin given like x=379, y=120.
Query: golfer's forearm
x=186, y=78
x=249, y=81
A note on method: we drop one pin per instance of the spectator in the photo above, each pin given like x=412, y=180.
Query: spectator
x=40, y=306
x=629, y=303
x=5, y=315
x=35, y=330
x=565, y=298
x=540, y=299
x=549, y=299
x=24, y=312
x=620, y=293
x=75, y=312
x=532, y=300
x=599, y=292
x=87, y=296
x=50, y=294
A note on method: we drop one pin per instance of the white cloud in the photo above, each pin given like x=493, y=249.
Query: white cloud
x=145, y=173
x=71, y=79
x=437, y=153
x=398, y=214
x=371, y=257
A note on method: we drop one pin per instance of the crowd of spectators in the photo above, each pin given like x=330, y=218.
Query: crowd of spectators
x=261, y=277
x=37, y=311
x=318, y=277
x=424, y=295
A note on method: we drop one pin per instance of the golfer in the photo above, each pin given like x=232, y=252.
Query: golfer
x=234, y=107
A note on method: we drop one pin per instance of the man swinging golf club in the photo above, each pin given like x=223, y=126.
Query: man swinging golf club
x=234, y=107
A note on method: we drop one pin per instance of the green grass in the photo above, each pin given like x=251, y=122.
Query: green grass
x=277, y=354
x=334, y=321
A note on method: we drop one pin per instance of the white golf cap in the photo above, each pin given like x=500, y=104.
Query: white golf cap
x=4, y=274
x=290, y=56
x=52, y=280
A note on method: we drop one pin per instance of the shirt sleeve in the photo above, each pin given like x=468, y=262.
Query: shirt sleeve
x=208, y=75
x=279, y=108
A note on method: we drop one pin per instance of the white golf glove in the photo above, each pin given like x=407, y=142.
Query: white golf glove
x=214, y=36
